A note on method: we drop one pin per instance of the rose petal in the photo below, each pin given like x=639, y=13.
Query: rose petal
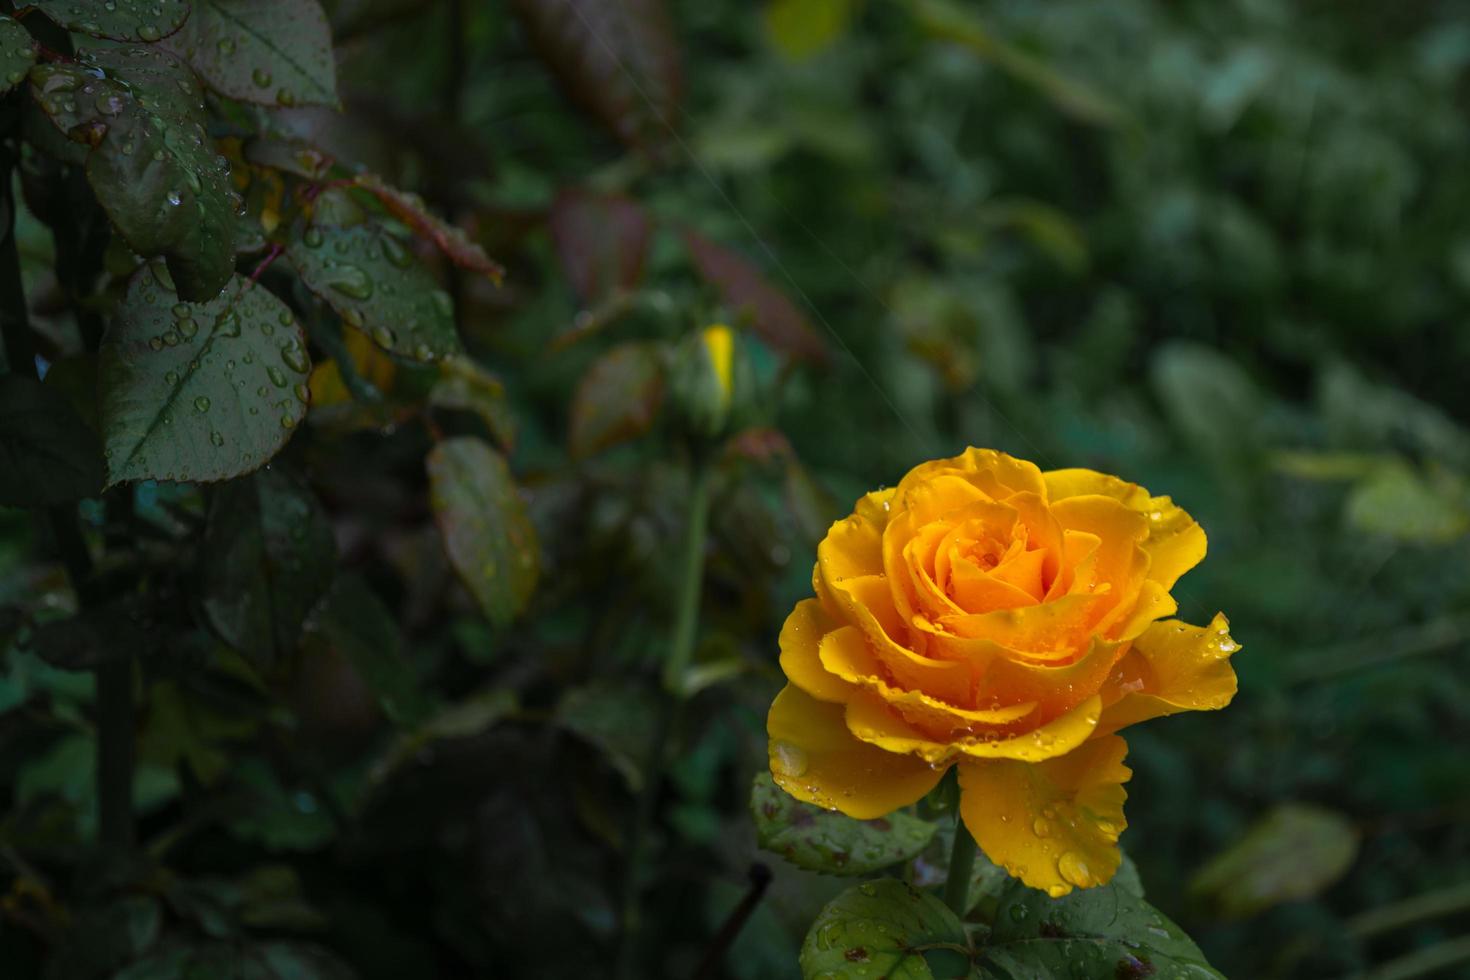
x=815, y=758
x=1053, y=824
x=801, y=638
x=1172, y=667
x=873, y=720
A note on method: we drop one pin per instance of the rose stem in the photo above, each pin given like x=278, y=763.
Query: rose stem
x=961, y=864
x=681, y=650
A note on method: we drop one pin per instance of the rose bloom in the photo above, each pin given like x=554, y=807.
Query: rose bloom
x=986, y=615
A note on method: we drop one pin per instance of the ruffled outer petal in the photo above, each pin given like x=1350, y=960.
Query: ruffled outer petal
x=1176, y=542
x=1172, y=667
x=1053, y=824
x=816, y=759
x=801, y=639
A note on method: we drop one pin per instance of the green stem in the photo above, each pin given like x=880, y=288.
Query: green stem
x=681, y=650
x=961, y=865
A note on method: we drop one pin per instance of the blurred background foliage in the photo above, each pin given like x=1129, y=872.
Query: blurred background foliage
x=1217, y=247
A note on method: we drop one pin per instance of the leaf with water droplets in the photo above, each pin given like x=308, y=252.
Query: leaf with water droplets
x=201, y=407
x=465, y=386
x=617, y=399
x=117, y=20
x=48, y=455
x=827, y=841
x=489, y=538
x=268, y=556
x=1106, y=931
x=451, y=240
x=151, y=162
x=17, y=54
x=274, y=52
x=377, y=286
x=886, y=928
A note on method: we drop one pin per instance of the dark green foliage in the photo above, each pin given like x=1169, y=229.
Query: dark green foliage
x=344, y=478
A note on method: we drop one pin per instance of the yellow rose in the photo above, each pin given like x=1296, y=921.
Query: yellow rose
x=988, y=615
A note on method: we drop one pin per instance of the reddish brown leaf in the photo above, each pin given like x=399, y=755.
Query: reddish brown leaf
x=452, y=241
x=602, y=241
x=617, y=59
x=617, y=399
x=745, y=289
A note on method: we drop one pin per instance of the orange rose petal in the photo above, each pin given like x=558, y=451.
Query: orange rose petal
x=1172, y=667
x=866, y=603
x=1026, y=571
x=1176, y=542
x=1127, y=620
x=874, y=720
x=1079, y=563
x=1119, y=529
x=852, y=547
x=1055, y=629
x=918, y=570
x=845, y=654
x=994, y=473
x=1057, y=687
x=816, y=759
x=1079, y=482
x=1053, y=824
x=980, y=591
x=801, y=639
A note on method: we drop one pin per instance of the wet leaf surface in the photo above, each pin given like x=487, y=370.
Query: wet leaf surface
x=617, y=399
x=487, y=534
x=268, y=556
x=450, y=239
x=117, y=20
x=273, y=52
x=886, y=928
x=151, y=163
x=831, y=842
x=199, y=391
x=376, y=284
x=17, y=53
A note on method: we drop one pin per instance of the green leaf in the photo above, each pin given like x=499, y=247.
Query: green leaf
x=1398, y=502
x=1294, y=852
x=618, y=399
x=887, y=929
x=355, y=621
x=463, y=385
x=268, y=557
x=802, y=28
x=1212, y=402
x=619, y=720
x=117, y=20
x=1093, y=932
x=487, y=534
x=198, y=391
x=463, y=719
x=47, y=453
x=830, y=842
x=451, y=241
x=376, y=285
x=617, y=59
x=17, y=53
x=152, y=165
x=274, y=52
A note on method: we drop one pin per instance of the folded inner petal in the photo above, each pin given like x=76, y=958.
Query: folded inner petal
x=874, y=720
x=800, y=641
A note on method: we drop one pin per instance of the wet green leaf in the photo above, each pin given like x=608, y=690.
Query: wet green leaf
x=1093, y=932
x=117, y=20
x=886, y=928
x=268, y=556
x=617, y=59
x=198, y=391
x=355, y=621
x=275, y=52
x=830, y=842
x=152, y=165
x=48, y=455
x=451, y=240
x=487, y=534
x=465, y=386
x=376, y=284
x=17, y=53
x=617, y=399
x=1294, y=852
